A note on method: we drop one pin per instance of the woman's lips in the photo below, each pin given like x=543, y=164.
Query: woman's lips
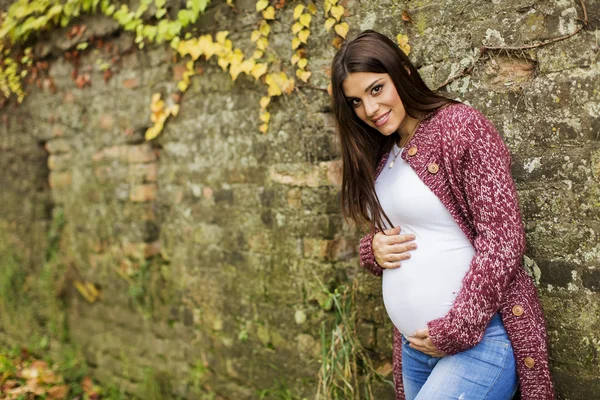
x=381, y=121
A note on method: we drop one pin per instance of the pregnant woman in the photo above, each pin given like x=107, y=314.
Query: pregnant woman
x=431, y=179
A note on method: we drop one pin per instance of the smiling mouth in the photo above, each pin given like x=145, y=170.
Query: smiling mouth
x=382, y=120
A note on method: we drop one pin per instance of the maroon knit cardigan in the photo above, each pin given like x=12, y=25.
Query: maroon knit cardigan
x=462, y=158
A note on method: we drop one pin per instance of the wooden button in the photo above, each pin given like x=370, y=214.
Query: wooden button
x=529, y=362
x=412, y=151
x=433, y=168
x=517, y=310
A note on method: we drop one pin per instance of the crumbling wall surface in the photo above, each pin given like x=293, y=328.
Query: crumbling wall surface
x=206, y=251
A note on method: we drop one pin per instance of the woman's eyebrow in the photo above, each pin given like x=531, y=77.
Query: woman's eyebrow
x=372, y=84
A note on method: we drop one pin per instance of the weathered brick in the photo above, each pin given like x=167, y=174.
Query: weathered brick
x=59, y=162
x=294, y=198
x=59, y=145
x=142, y=193
x=131, y=83
x=142, y=153
x=106, y=121
x=143, y=172
x=59, y=180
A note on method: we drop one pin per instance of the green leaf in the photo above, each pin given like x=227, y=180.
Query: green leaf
x=160, y=3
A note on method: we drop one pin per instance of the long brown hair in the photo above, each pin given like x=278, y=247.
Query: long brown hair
x=362, y=145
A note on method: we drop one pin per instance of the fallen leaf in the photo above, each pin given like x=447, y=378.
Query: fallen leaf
x=304, y=34
x=265, y=28
x=263, y=128
x=261, y=5
x=264, y=101
x=295, y=43
x=255, y=35
x=302, y=63
x=337, y=12
x=297, y=27
x=312, y=8
x=269, y=13
x=303, y=75
x=298, y=11
x=406, y=16
x=342, y=29
x=305, y=20
x=295, y=58
x=58, y=392
x=329, y=23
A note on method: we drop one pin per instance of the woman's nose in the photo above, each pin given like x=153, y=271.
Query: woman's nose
x=371, y=108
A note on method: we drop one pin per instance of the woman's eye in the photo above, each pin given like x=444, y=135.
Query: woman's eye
x=377, y=89
x=355, y=102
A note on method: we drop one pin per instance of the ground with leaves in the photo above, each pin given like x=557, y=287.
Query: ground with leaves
x=26, y=377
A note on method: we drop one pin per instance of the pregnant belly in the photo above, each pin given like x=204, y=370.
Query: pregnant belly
x=424, y=287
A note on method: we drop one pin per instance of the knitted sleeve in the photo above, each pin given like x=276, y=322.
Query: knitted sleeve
x=482, y=162
x=367, y=258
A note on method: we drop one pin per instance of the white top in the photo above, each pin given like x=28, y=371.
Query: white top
x=425, y=286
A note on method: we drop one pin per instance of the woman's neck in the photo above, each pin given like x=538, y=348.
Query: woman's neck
x=406, y=129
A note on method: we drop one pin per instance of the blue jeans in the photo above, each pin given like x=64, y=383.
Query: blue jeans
x=484, y=372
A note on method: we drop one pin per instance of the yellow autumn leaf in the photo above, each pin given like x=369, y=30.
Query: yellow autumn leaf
x=342, y=29
x=257, y=54
x=329, y=23
x=223, y=63
x=174, y=109
x=235, y=70
x=153, y=131
x=402, y=39
x=304, y=34
x=302, y=63
x=263, y=128
x=273, y=89
x=262, y=43
x=265, y=117
x=298, y=11
x=182, y=85
x=295, y=43
x=259, y=70
x=221, y=36
x=305, y=20
x=337, y=12
x=264, y=101
x=295, y=58
x=303, y=75
x=261, y=5
x=328, y=6
x=247, y=66
x=269, y=13
x=255, y=35
x=265, y=28
x=403, y=43
x=312, y=8
x=297, y=27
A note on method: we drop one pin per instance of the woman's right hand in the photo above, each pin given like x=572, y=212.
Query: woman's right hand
x=391, y=248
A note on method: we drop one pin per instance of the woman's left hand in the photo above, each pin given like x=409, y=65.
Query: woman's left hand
x=421, y=341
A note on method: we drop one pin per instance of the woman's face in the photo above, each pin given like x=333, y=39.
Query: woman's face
x=375, y=100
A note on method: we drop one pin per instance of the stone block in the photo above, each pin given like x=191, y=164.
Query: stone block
x=142, y=153
x=131, y=83
x=106, y=121
x=143, y=172
x=59, y=145
x=59, y=161
x=143, y=193
x=60, y=180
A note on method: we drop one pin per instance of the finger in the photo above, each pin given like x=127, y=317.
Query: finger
x=422, y=334
x=396, y=257
x=403, y=247
x=392, y=231
x=416, y=342
x=403, y=238
x=391, y=265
